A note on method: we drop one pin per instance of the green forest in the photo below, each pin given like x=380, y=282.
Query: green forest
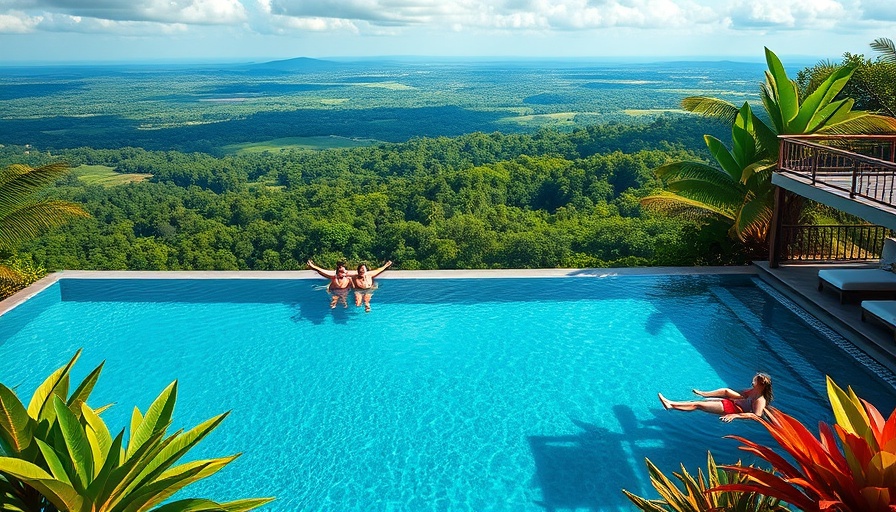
x=547, y=199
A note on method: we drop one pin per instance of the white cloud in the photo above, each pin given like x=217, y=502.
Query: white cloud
x=316, y=24
x=17, y=23
x=506, y=14
x=198, y=12
x=87, y=25
x=797, y=14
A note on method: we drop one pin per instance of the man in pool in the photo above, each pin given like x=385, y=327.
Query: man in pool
x=340, y=282
x=728, y=403
x=362, y=282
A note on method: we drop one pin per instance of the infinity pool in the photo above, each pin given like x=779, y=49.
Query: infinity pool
x=451, y=394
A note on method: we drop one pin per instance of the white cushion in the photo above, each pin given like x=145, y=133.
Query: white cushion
x=883, y=309
x=888, y=254
x=859, y=279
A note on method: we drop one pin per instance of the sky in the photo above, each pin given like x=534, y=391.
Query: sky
x=81, y=31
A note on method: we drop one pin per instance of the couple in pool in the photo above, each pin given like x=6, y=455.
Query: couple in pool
x=728, y=403
x=341, y=281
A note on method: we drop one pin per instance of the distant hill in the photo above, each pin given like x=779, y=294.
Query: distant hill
x=299, y=64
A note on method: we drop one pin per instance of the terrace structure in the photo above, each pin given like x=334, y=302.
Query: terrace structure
x=855, y=174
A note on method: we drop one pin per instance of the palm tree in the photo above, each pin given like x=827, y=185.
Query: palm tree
x=24, y=213
x=819, y=112
x=741, y=192
x=737, y=190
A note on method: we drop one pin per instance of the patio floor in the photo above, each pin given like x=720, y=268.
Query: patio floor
x=800, y=283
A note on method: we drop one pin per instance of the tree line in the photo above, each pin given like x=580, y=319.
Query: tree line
x=547, y=199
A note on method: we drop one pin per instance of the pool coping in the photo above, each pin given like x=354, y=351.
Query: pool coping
x=23, y=295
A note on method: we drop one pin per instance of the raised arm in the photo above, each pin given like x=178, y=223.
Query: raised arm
x=325, y=273
x=378, y=271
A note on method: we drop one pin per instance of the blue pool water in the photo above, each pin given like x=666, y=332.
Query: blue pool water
x=487, y=394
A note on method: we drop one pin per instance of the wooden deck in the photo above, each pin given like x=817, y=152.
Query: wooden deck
x=800, y=283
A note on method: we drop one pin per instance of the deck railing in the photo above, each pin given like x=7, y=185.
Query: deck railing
x=860, y=165
x=814, y=243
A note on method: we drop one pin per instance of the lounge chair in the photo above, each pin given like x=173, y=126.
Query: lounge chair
x=864, y=283
x=859, y=282
x=884, y=311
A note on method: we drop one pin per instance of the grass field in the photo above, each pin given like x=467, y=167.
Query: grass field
x=106, y=176
x=310, y=143
x=535, y=120
x=653, y=111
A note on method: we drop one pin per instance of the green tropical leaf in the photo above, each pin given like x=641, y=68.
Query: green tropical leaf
x=63, y=496
x=100, y=486
x=121, y=479
x=201, y=505
x=57, y=468
x=770, y=102
x=786, y=94
x=179, y=445
x=743, y=141
x=76, y=445
x=721, y=154
x=819, y=99
x=157, y=418
x=56, y=384
x=245, y=505
x=82, y=392
x=97, y=433
x=144, y=497
x=16, y=427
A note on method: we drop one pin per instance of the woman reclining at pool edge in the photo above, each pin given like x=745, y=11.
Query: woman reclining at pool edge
x=728, y=403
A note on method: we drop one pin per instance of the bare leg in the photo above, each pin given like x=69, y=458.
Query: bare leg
x=333, y=300
x=358, y=298
x=711, y=406
x=367, y=302
x=718, y=393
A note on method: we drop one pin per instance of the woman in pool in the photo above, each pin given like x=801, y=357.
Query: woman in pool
x=362, y=282
x=728, y=403
x=340, y=282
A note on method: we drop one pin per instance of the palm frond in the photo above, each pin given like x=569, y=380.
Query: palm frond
x=861, y=122
x=26, y=222
x=753, y=218
x=760, y=167
x=18, y=181
x=675, y=205
x=710, y=107
x=728, y=199
x=688, y=170
x=886, y=48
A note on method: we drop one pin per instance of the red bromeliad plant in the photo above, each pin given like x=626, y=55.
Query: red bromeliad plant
x=850, y=467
